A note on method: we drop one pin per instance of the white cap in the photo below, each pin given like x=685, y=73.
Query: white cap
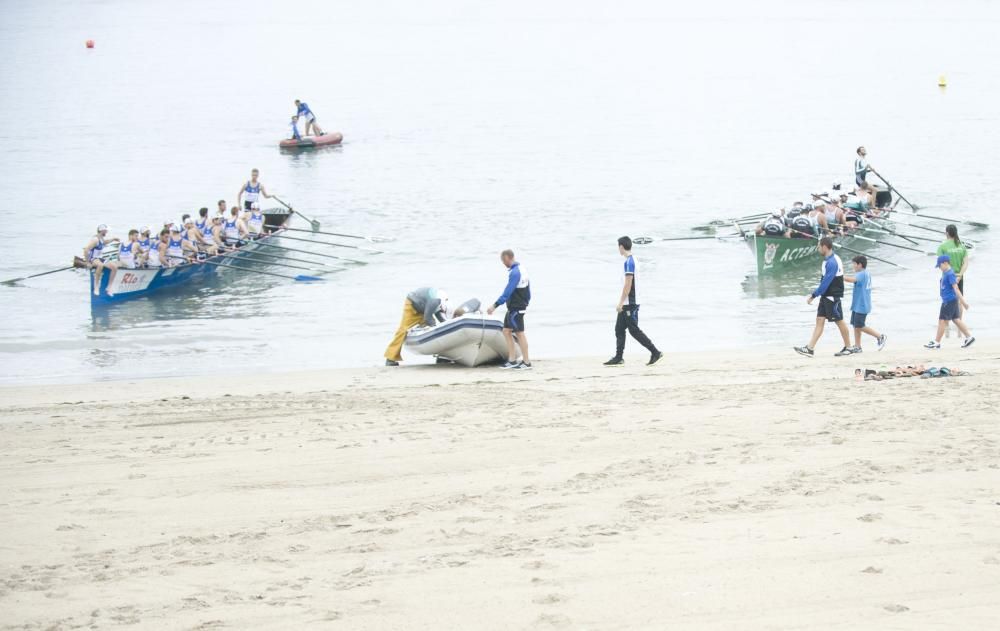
x=168, y=222
x=145, y=229
x=255, y=206
x=102, y=228
x=776, y=213
x=189, y=221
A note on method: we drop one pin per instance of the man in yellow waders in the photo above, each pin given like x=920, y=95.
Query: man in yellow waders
x=421, y=307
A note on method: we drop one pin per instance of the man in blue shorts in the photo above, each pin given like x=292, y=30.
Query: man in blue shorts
x=951, y=297
x=861, y=303
x=829, y=292
x=516, y=295
x=628, y=312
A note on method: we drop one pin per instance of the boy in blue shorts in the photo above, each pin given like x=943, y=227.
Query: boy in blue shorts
x=861, y=303
x=951, y=297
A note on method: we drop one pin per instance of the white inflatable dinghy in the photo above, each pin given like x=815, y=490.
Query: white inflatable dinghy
x=471, y=339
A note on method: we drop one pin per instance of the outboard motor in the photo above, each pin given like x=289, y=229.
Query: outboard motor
x=471, y=305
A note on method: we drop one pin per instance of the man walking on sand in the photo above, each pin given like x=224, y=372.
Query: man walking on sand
x=628, y=312
x=516, y=295
x=829, y=292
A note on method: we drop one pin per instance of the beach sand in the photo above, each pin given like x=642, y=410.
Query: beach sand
x=714, y=491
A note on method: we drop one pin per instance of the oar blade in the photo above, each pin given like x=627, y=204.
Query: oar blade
x=303, y=278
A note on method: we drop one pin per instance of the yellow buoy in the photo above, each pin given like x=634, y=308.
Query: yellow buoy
x=942, y=82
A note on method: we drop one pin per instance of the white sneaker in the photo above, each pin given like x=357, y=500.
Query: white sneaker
x=932, y=345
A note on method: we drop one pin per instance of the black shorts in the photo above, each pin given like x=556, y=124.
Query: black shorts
x=961, y=286
x=858, y=319
x=830, y=308
x=949, y=311
x=247, y=205
x=514, y=320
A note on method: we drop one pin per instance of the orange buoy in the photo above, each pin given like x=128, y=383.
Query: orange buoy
x=90, y=43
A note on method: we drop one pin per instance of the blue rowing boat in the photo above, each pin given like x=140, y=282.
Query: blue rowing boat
x=134, y=283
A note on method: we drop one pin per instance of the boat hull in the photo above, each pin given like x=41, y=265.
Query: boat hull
x=135, y=283
x=470, y=340
x=307, y=142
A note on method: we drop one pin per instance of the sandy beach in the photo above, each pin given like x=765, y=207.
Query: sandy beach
x=713, y=491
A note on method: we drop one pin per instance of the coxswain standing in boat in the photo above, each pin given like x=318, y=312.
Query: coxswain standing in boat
x=302, y=110
x=251, y=191
x=92, y=255
x=861, y=169
x=516, y=295
x=422, y=306
x=829, y=292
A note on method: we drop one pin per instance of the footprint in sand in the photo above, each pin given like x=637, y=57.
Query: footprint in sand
x=870, y=517
x=549, y=599
x=872, y=570
x=896, y=608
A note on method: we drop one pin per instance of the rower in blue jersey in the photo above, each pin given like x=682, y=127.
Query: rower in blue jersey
x=233, y=228
x=92, y=253
x=195, y=235
x=295, y=129
x=251, y=190
x=129, y=253
x=302, y=110
x=146, y=244
x=174, y=249
x=255, y=221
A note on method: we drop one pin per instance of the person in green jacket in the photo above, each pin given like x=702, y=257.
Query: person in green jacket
x=959, y=256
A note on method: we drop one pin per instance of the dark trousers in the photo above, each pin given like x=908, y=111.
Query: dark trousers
x=628, y=320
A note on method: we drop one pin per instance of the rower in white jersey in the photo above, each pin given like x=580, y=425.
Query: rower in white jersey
x=175, y=250
x=233, y=228
x=92, y=255
x=157, y=250
x=251, y=191
x=195, y=236
x=255, y=220
x=145, y=245
x=130, y=251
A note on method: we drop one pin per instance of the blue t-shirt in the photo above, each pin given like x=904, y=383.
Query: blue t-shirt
x=861, y=299
x=630, y=271
x=947, y=290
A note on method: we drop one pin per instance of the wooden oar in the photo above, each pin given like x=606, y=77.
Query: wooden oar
x=893, y=188
x=312, y=222
x=288, y=258
x=844, y=247
x=968, y=222
x=895, y=245
x=299, y=278
x=328, y=256
x=266, y=259
x=645, y=240
x=346, y=236
x=51, y=271
x=333, y=245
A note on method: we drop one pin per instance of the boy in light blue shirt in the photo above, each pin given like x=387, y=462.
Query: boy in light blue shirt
x=861, y=303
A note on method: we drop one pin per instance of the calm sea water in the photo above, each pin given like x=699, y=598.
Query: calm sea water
x=552, y=128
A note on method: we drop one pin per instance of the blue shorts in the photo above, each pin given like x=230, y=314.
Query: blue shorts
x=514, y=320
x=949, y=311
x=858, y=319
